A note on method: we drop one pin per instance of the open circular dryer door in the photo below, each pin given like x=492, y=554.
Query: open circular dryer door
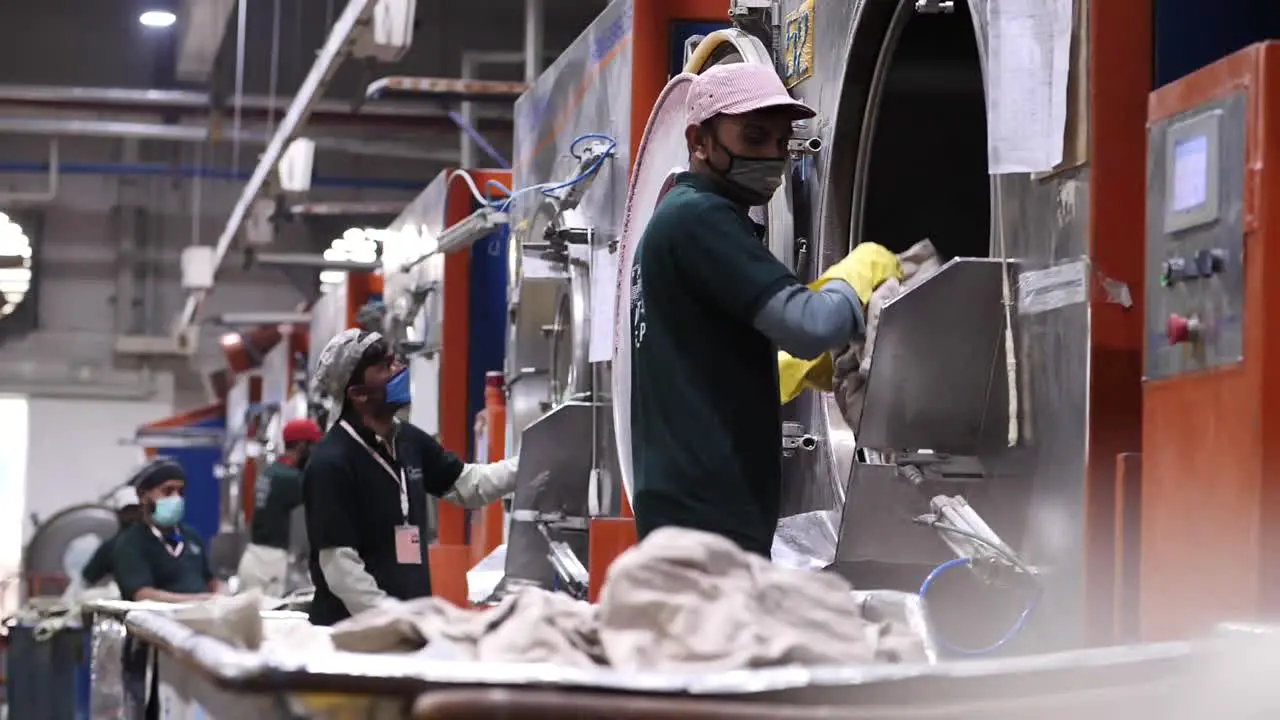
x=662, y=154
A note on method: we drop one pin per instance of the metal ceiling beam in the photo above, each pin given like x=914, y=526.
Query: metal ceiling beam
x=56, y=127
x=203, y=27
x=337, y=48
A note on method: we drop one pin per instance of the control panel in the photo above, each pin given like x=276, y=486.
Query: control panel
x=1195, y=239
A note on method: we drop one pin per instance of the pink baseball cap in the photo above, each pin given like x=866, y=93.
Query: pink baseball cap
x=737, y=89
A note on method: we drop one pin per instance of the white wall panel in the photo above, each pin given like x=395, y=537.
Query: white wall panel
x=13, y=469
x=75, y=450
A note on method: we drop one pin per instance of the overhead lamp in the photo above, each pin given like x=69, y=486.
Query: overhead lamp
x=158, y=18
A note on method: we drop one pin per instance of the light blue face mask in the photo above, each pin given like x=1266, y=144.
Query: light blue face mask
x=169, y=511
x=397, y=392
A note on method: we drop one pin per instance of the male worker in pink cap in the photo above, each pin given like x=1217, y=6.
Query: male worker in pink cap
x=711, y=307
x=275, y=495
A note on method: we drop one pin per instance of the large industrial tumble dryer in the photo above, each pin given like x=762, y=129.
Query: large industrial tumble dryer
x=985, y=399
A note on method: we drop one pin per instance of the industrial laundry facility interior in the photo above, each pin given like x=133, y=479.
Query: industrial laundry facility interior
x=1035, y=484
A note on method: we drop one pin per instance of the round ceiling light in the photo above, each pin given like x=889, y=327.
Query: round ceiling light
x=15, y=265
x=158, y=18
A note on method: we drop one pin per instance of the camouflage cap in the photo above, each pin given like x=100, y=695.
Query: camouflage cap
x=338, y=360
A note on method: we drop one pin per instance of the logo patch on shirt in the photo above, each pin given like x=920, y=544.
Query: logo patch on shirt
x=195, y=549
x=415, y=474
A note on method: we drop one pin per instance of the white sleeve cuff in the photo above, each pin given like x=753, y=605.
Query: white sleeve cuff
x=479, y=485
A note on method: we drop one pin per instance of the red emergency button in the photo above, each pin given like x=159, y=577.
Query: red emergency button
x=1182, y=329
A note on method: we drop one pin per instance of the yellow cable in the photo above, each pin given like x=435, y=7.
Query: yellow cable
x=701, y=54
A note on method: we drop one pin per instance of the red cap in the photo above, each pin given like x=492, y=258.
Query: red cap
x=302, y=430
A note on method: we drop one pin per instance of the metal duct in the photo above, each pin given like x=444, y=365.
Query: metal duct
x=204, y=24
x=177, y=101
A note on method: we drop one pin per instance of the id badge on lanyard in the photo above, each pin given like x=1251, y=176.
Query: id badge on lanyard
x=174, y=550
x=408, y=539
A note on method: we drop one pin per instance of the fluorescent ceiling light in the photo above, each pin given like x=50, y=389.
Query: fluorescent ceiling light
x=157, y=18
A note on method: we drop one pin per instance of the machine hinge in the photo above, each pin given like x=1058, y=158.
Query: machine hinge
x=795, y=438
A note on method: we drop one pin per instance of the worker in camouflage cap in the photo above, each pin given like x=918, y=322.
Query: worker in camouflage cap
x=337, y=365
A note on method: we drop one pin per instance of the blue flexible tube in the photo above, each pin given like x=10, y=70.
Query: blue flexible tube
x=1008, y=636
x=573, y=149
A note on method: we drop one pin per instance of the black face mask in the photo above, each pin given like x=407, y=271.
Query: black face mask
x=755, y=179
x=303, y=456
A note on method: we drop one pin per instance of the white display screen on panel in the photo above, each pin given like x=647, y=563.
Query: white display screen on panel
x=1190, y=173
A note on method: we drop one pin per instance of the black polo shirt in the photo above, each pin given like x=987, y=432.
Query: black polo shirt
x=277, y=492
x=142, y=560
x=706, y=424
x=99, y=566
x=352, y=501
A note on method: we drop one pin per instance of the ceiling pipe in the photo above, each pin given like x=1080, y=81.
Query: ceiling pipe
x=255, y=319
x=345, y=209
x=198, y=134
x=171, y=101
x=336, y=49
x=49, y=194
x=309, y=260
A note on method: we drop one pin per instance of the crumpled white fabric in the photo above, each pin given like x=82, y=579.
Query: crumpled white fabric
x=682, y=600
x=529, y=625
x=689, y=601
x=853, y=366
x=233, y=619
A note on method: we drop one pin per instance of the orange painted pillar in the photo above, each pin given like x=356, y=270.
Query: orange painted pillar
x=487, y=522
x=449, y=565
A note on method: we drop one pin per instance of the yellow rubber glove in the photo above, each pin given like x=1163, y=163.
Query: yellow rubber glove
x=864, y=269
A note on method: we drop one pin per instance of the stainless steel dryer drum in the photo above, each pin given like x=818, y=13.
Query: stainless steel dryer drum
x=63, y=544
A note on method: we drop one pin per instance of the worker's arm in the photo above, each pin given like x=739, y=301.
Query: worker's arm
x=721, y=256
x=289, y=485
x=807, y=323
x=133, y=575
x=99, y=565
x=211, y=581
x=328, y=492
x=479, y=485
x=467, y=484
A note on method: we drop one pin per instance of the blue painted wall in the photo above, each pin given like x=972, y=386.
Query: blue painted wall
x=204, y=494
x=487, y=331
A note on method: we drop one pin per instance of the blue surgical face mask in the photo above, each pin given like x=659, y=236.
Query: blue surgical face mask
x=169, y=511
x=397, y=392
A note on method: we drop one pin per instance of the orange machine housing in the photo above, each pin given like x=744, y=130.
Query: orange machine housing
x=1211, y=409
x=456, y=424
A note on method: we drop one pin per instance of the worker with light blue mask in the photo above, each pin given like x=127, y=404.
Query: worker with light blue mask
x=710, y=309
x=159, y=558
x=366, y=483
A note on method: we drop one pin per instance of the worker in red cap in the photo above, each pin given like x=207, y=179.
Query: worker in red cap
x=277, y=492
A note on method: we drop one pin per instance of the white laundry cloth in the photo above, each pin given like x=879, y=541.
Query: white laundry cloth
x=692, y=601
x=263, y=568
x=681, y=600
x=529, y=625
x=233, y=619
x=853, y=366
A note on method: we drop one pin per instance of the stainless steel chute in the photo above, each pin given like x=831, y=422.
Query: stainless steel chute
x=552, y=502
x=937, y=367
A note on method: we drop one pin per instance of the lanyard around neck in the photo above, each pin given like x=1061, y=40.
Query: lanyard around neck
x=398, y=476
x=174, y=550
